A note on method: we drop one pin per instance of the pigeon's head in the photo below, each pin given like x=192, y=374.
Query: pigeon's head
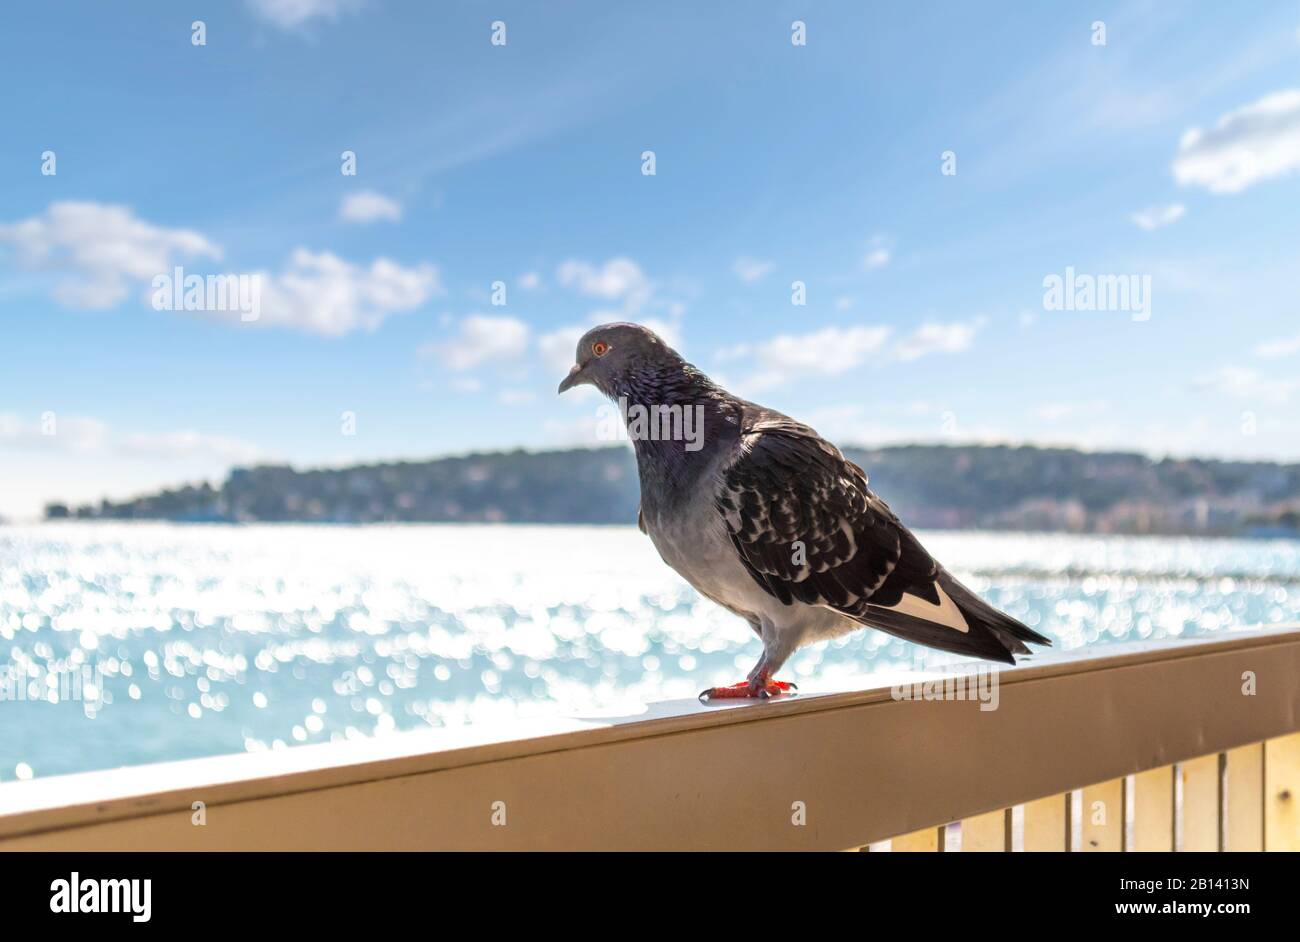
x=607, y=355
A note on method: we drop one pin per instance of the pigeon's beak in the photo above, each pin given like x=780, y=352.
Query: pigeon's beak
x=575, y=378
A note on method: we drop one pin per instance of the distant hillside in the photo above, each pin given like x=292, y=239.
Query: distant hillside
x=960, y=486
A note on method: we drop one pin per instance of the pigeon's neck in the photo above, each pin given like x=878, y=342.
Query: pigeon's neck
x=676, y=419
x=666, y=384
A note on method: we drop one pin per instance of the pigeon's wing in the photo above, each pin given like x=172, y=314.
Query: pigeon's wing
x=808, y=529
x=640, y=519
x=805, y=524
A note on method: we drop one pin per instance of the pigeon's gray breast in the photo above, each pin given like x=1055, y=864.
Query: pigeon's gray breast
x=692, y=536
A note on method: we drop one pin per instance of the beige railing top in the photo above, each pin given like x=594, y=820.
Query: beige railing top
x=823, y=771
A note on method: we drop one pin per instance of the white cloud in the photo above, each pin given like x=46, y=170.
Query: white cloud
x=191, y=444
x=104, y=249
x=481, y=340
x=583, y=430
x=515, y=397
x=530, y=281
x=751, y=269
x=669, y=331
x=618, y=279
x=1253, y=143
x=290, y=14
x=369, y=206
x=832, y=351
x=1245, y=383
x=53, y=432
x=631, y=296
x=558, y=346
x=879, y=253
x=937, y=338
x=827, y=352
x=1056, y=411
x=321, y=293
x=107, y=251
x=82, y=434
x=1281, y=347
x=1158, y=216
x=884, y=422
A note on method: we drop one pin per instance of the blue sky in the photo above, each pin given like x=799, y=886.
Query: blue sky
x=1171, y=152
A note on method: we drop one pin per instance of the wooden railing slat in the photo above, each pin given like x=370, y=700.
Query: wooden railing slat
x=1153, y=810
x=924, y=840
x=1046, y=824
x=987, y=832
x=1202, y=803
x=1244, y=798
x=1103, y=816
x=1282, y=793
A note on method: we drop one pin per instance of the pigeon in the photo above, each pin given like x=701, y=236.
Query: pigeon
x=763, y=516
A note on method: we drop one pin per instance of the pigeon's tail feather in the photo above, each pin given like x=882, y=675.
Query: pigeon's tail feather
x=1011, y=633
x=988, y=633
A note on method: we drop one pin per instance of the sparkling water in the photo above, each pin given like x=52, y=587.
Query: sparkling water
x=129, y=643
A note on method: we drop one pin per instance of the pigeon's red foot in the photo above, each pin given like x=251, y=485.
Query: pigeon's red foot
x=757, y=689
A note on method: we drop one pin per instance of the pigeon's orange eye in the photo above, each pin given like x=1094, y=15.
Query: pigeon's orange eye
x=600, y=348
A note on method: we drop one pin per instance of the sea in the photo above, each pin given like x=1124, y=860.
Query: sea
x=130, y=643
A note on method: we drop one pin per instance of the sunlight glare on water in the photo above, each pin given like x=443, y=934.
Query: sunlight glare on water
x=129, y=643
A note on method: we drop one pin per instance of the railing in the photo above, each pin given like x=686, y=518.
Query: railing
x=1194, y=745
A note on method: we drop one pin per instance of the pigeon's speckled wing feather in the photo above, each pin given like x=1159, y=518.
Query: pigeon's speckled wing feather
x=806, y=525
x=808, y=529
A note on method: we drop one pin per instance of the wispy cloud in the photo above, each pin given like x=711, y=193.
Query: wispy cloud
x=103, y=250
x=937, y=338
x=1242, y=382
x=879, y=253
x=482, y=340
x=464, y=384
x=1253, y=143
x=368, y=206
x=1158, y=216
x=558, y=346
x=516, y=397
x=81, y=434
x=1280, y=347
x=190, y=444
x=619, y=279
x=75, y=433
x=291, y=14
x=1058, y=411
x=750, y=270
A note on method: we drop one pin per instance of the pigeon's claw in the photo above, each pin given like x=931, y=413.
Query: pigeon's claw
x=760, y=688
